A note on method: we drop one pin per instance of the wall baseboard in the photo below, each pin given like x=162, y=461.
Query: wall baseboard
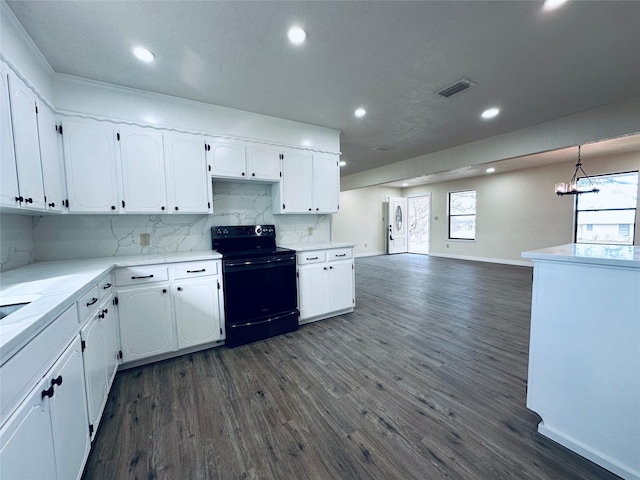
x=520, y=263
x=368, y=254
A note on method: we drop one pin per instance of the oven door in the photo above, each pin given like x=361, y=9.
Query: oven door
x=257, y=288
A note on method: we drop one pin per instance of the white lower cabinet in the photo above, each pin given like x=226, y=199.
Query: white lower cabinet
x=169, y=308
x=197, y=312
x=47, y=436
x=146, y=323
x=326, y=285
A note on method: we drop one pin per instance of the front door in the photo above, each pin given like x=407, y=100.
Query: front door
x=397, y=222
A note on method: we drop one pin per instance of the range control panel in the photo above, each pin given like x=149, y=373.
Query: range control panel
x=243, y=231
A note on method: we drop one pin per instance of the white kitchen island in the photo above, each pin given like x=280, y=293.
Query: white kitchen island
x=584, y=354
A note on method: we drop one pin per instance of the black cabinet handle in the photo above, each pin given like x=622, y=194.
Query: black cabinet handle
x=176, y=208
x=325, y=268
x=93, y=300
x=28, y=200
x=164, y=290
x=20, y=199
x=310, y=209
x=52, y=205
x=105, y=311
x=243, y=174
x=179, y=289
x=48, y=392
x=197, y=271
x=56, y=381
x=317, y=209
x=162, y=208
x=106, y=286
x=312, y=258
x=331, y=268
x=142, y=276
x=342, y=255
x=113, y=207
x=101, y=315
x=253, y=174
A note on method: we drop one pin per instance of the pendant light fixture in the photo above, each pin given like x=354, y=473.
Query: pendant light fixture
x=571, y=188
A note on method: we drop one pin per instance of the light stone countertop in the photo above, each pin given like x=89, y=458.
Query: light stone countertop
x=306, y=247
x=595, y=254
x=54, y=286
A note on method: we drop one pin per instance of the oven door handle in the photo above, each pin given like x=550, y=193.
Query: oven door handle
x=269, y=262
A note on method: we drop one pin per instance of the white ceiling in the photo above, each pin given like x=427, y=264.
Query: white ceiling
x=388, y=57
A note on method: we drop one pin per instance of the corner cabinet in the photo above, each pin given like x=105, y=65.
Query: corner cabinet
x=167, y=310
x=310, y=184
x=326, y=283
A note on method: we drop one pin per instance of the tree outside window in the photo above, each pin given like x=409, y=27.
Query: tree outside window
x=462, y=215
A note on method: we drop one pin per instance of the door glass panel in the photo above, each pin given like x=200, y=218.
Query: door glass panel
x=398, y=218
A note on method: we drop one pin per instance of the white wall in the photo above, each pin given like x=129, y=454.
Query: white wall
x=516, y=211
x=361, y=219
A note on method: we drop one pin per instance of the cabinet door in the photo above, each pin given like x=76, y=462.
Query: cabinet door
x=94, y=368
x=26, y=440
x=312, y=290
x=143, y=177
x=297, y=187
x=27, y=148
x=187, y=176
x=146, y=324
x=326, y=183
x=69, y=413
x=340, y=285
x=197, y=312
x=111, y=340
x=263, y=163
x=90, y=164
x=228, y=160
x=8, y=174
x=52, y=167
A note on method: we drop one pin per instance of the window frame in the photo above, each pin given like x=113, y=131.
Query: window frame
x=634, y=209
x=474, y=215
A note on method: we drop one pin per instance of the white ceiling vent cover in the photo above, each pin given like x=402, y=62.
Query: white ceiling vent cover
x=383, y=148
x=459, y=86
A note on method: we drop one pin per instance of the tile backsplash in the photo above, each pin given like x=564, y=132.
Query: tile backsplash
x=62, y=237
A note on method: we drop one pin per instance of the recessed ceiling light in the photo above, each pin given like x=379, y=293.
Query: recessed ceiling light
x=490, y=170
x=553, y=4
x=297, y=35
x=405, y=184
x=360, y=112
x=143, y=54
x=342, y=163
x=490, y=113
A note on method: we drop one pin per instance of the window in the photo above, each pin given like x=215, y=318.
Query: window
x=462, y=215
x=610, y=215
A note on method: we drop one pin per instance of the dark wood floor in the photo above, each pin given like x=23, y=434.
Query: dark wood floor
x=425, y=380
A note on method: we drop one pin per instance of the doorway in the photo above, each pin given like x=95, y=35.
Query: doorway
x=419, y=213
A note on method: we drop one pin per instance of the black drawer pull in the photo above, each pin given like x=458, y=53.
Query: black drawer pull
x=106, y=286
x=342, y=255
x=48, y=392
x=93, y=300
x=56, y=381
x=197, y=271
x=142, y=276
x=312, y=258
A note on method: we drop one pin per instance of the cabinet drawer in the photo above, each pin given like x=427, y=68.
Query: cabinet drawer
x=195, y=269
x=339, y=254
x=141, y=275
x=311, y=257
x=23, y=371
x=88, y=303
x=105, y=287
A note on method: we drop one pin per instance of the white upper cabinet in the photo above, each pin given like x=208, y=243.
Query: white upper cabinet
x=9, y=192
x=26, y=143
x=187, y=176
x=240, y=161
x=263, y=163
x=143, y=177
x=326, y=183
x=227, y=159
x=310, y=184
x=52, y=165
x=90, y=164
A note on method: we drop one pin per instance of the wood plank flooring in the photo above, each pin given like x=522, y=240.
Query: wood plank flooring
x=425, y=380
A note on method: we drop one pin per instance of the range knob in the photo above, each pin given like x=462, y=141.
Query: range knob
x=225, y=231
x=259, y=230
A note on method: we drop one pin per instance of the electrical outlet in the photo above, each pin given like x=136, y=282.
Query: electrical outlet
x=436, y=217
x=310, y=231
x=365, y=245
x=447, y=245
x=145, y=239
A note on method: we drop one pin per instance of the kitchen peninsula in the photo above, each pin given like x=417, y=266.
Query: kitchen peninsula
x=584, y=357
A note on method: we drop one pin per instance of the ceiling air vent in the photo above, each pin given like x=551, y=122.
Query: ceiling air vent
x=457, y=87
x=383, y=148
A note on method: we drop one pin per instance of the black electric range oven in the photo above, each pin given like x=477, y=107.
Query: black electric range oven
x=260, y=292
